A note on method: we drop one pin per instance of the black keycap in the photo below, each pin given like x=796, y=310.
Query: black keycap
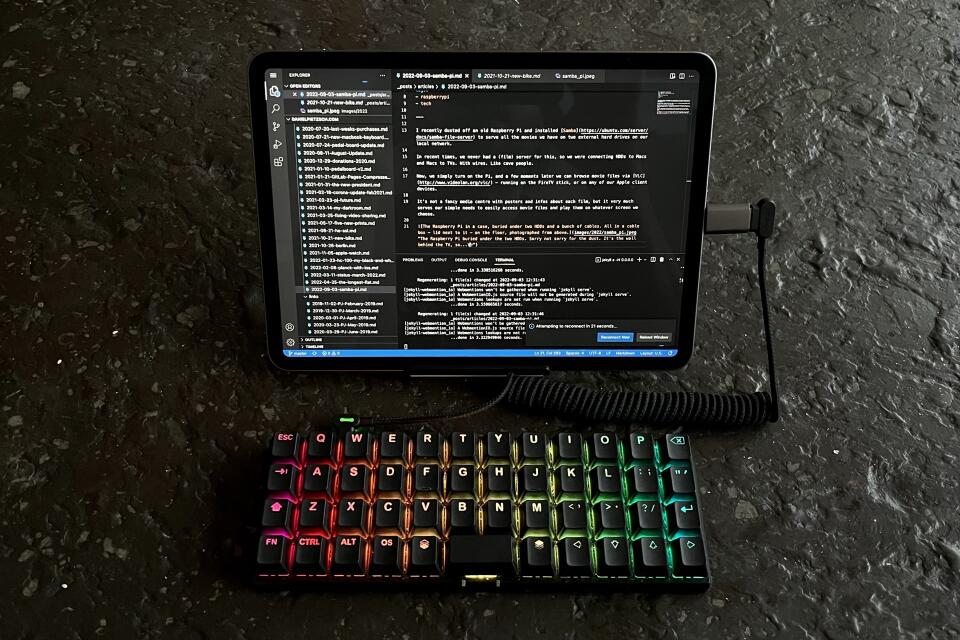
x=612, y=557
x=311, y=555
x=678, y=481
x=676, y=446
x=535, y=557
x=286, y=444
x=352, y=514
x=388, y=514
x=387, y=558
x=391, y=478
x=320, y=445
x=608, y=516
x=533, y=446
x=533, y=479
x=649, y=557
x=427, y=478
x=498, y=446
x=572, y=515
x=358, y=447
x=574, y=557
x=393, y=446
x=497, y=478
x=424, y=556
x=643, y=479
x=641, y=447
x=602, y=447
x=318, y=478
x=273, y=553
x=426, y=514
x=688, y=557
x=355, y=480
x=462, y=478
x=646, y=515
x=569, y=446
x=570, y=479
x=463, y=446
x=482, y=555
x=497, y=516
x=282, y=478
x=277, y=514
x=428, y=445
x=604, y=480
x=348, y=552
x=536, y=515
x=315, y=514
x=463, y=516
x=683, y=515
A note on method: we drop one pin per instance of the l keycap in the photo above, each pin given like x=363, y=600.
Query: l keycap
x=604, y=480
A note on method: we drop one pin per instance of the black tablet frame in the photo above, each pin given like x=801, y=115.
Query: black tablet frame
x=700, y=62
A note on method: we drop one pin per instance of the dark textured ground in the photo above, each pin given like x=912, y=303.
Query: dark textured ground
x=135, y=395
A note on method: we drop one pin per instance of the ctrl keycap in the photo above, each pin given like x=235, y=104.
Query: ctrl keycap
x=311, y=555
x=348, y=554
x=688, y=557
x=272, y=554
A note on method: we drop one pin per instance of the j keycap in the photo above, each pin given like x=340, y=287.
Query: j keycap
x=358, y=447
x=424, y=556
x=535, y=515
x=348, y=555
x=428, y=445
x=318, y=479
x=570, y=479
x=497, y=516
x=678, y=481
x=649, y=557
x=646, y=515
x=536, y=557
x=282, y=478
x=273, y=554
x=688, y=557
x=462, y=446
x=612, y=557
x=676, y=446
x=602, y=447
x=387, y=557
x=393, y=446
x=498, y=446
x=315, y=514
x=643, y=480
x=604, y=480
x=532, y=446
x=320, y=445
x=533, y=479
x=641, y=447
x=310, y=555
x=277, y=514
x=569, y=446
x=683, y=515
x=574, y=557
x=285, y=445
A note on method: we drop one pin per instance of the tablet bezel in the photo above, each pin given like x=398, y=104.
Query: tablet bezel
x=700, y=62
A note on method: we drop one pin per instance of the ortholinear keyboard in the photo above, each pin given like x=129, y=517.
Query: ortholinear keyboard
x=482, y=508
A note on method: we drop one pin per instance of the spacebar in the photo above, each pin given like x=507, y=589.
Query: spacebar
x=482, y=555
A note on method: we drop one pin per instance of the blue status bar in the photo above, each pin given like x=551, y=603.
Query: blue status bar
x=480, y=353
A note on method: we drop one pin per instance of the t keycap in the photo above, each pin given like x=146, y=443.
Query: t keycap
x=649, y=557
x=574, y=557
x=683, y=515
x=348, y=553
x=358, y=447
x=282, y=478
x=387, y=556
x=533, y=446
x=393, y=446
x=676, y=447
x=602, y=447
x=462, y=446
x=569, y=446
x=277, y=514
x=497, y=516
x=612, y=557
x=272, y=554
x=424, y=556
x=646, y=515
x=320, y=445
x=285, y=445
x=428, y=445
x=641, y=447
x=535, y=557
x=688, y=557
x=498, y=446
x=311, y=555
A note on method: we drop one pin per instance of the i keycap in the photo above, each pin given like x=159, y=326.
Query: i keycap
x=494, y=508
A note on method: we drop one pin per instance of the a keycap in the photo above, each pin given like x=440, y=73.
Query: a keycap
x=318, y=479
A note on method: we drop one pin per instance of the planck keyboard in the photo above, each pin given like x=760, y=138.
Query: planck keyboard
x=531, y=509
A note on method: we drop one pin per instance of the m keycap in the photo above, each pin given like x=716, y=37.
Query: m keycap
x=462, y=446
x=535, y=514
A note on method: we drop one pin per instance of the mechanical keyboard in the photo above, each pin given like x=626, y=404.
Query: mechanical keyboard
x=482, y=508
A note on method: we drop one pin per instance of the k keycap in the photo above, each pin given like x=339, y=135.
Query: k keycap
x=273, y=553
x=570, y=479
x=348, y=554
x=310, y=555
x=612, y=557
x=536, y=557
x=688, y=557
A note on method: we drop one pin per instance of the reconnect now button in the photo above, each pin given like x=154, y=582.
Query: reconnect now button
x=614, y=337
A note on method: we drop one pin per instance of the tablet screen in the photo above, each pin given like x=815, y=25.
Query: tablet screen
x=463, y=212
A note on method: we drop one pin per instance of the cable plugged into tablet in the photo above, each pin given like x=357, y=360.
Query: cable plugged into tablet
x=653, y=408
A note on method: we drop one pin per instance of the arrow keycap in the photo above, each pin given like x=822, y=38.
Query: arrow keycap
x=683, y=515
x=574, y=557
x=688, y=557
x=650, y=557
x=612, y=557
x=282, y=478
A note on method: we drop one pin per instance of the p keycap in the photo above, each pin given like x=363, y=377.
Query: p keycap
x=641, y=447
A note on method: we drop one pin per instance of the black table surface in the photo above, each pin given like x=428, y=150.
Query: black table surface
x=135, y=397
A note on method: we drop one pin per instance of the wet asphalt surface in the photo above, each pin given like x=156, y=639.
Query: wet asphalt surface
x=135, y=396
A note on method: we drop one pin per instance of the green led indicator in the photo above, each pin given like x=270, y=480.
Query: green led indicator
x=347, y=419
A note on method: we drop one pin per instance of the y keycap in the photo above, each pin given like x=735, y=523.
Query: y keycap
x=498, y=446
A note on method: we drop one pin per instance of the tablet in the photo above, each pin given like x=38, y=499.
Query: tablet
x=481, y=212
